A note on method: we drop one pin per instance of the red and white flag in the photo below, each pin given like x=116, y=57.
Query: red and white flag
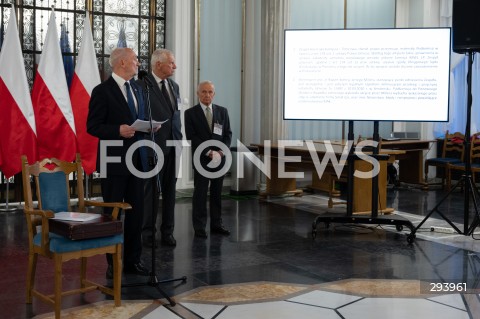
x=51, y=101
x=17, y=121
x=85, y=78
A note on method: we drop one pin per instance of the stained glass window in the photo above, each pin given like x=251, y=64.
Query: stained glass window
x=137, y=24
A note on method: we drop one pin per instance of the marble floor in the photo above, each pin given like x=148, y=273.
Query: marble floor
x=271, y=267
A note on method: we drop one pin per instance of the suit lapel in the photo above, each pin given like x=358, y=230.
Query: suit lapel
x=158, y=93
x=215, y=117
x=175, y=98
x=201, y=115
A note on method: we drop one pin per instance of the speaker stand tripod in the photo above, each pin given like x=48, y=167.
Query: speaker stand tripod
x=153, y=279
x=466, y=178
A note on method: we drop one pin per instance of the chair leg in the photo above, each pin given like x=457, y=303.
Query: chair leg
x=426, y=174
x=448, y=172
x=32, y=265
x=444, y=175
x=58, y=285
x=83, y=271
x=117, y=275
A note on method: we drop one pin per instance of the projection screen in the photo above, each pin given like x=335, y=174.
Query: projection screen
x=367, y=74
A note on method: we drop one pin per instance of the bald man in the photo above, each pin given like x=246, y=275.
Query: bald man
x=115, y=104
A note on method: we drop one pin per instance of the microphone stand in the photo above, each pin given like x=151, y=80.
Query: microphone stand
x=153, y=280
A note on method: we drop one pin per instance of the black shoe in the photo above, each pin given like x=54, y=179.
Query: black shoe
x=137, y=269
x=109, y=273
x=221, y=230
x=168, y=240
x=148, y=241
x=201, y=233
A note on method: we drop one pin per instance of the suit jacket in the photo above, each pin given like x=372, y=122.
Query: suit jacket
x=161, y=111
x=197, y=130
x=108, y=109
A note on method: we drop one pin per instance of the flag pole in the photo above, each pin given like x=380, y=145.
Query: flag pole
x=87, y=196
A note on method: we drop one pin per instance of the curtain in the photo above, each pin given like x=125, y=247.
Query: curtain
x=220, y=61
x=276, y=19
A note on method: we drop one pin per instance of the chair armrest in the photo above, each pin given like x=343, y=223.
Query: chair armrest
x=103, y=204
x=40, y=212
x=44, y=215
x=116, y=206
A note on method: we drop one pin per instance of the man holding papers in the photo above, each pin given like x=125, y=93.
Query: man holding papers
x=115, y=104
x=144, y=126
x=164, y=99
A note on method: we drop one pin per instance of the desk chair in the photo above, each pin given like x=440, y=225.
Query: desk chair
x=474, y=160
x=452, y=153
x=50, y=178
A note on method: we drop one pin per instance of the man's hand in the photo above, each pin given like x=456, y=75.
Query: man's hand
x=215, y=156
x=126, y=131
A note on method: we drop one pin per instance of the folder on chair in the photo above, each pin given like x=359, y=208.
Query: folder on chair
x=102, y=226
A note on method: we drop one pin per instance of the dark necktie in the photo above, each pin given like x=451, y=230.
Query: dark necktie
x=165, y=94
x=131, y=103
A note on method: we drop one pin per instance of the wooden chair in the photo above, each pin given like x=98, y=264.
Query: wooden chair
x=474, y=160
x=51, y=181
x=452, y=152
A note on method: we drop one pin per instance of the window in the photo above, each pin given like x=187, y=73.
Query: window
x=138, y=24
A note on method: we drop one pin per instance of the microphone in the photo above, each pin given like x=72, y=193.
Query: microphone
x=142, y=75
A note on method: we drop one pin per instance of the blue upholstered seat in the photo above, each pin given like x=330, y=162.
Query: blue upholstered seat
x=61, y=244
x=53, y=191
x=452, y=153
x=54, y=197
x=474, y=158
x=446, y=160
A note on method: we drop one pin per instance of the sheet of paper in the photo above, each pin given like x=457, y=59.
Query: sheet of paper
x=76, y=216
x=144, y=126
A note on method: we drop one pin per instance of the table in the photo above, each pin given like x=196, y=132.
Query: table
x=411, y=162
x=277, y=185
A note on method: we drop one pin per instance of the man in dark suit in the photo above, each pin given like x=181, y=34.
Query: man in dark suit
x=164, y=96
x=208, y=122
x=114, y=105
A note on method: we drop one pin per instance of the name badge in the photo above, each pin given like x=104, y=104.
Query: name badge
x=217, y=128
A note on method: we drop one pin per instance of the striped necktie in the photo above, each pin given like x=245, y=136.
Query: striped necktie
x=208, y=115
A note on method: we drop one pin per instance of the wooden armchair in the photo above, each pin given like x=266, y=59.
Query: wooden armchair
x=452, y=152
x=474, y=160
x=51, y=180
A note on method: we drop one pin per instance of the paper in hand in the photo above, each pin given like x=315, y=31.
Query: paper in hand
x=144, y=126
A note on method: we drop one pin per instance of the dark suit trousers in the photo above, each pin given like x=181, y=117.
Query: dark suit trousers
x=127, y=188
x=199, y=203
x=168, y=182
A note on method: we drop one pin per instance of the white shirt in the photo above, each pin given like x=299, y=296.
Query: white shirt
x=204, y=107
x=121, y=84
